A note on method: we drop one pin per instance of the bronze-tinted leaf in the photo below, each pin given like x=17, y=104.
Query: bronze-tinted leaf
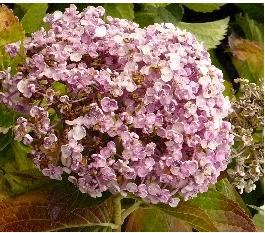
x=33, y=212
x=212, y=211
x=224, y=213
x=191, y=214
x=154, y=220
x=224, y=187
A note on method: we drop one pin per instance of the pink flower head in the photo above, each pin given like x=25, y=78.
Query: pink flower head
x=108, y=105
x=126, y=109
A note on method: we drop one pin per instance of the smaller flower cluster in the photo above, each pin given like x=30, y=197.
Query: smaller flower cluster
x=13, y=49
x=247, y=120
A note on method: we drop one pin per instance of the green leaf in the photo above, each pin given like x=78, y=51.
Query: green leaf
x=144, y=18
x=21, y=152
x=191, y=214
x=258, y=219
x=210, y=33
x=6, y=156
x=176, y=10
x=154, y=220
x=228, y=89
x=151, y=15
x=5, y=140
x=1, y=62
x=24, y=6
x=254, y=10
x=248, y=58
x=119, y=10
x=59, y=87
x=3, y=193
x=224, y=187
x=217, y=63
x=33, y=18
x=10, y=28
x=16, y=182
x=18, y=11
x=204, y=7
x=156, y=4
x=19, y=173
x=164, y=16
x=7, y=116
x=252, y=29
x=21, y=183
x=243, y=69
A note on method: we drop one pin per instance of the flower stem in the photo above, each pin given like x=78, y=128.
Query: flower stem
x=117, y=212
x=131, y=209
x=76, y=101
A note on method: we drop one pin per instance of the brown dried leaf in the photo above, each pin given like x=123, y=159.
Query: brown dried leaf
x=248, y=58
x=10, y=28
x=246, y=49
x=7, y=18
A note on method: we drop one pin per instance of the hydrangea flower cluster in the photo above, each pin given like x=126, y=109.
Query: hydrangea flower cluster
x=120, y=108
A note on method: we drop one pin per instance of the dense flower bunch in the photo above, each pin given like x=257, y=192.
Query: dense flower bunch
x=248, y=123
x=121, y=108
